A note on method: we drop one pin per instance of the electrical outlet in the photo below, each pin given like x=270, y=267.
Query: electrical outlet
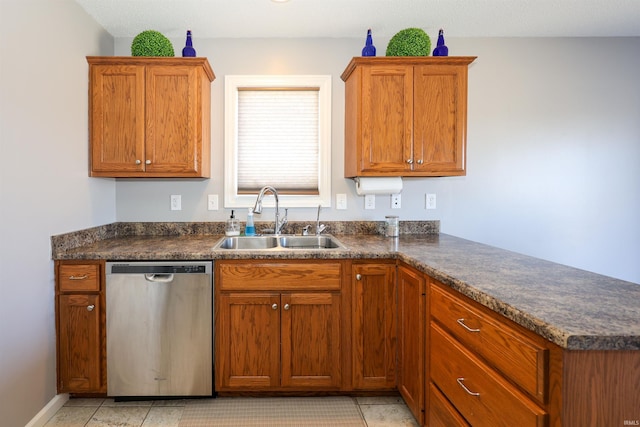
x=396, y=201
x=370, y=201
x=341, y=201
x=212, y=202
x=430, y=201
x=176, y=202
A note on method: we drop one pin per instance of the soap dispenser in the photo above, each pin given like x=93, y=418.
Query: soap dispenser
x=233, y=226
x=250, y=229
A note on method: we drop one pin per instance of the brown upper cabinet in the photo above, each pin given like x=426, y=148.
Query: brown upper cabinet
x=150, y=117
x=406, y=116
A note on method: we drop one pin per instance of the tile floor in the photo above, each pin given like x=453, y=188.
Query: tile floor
x=387, y=411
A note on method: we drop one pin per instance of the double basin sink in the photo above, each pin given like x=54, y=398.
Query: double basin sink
x=281, y=242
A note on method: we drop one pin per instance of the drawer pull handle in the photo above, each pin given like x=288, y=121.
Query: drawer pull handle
x=461, y=322
x=90, y=307
x=84, y=276
x=472, y=393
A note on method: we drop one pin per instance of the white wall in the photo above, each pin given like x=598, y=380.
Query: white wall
x=44, y=184
x=553, y=146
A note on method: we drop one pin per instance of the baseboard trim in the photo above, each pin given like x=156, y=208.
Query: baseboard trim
x=49, y=410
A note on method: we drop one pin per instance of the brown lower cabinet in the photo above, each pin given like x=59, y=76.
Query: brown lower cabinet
x=278, y=326
x=490, y=371
x=411, y=338
x=351, y=326
x=80, y=319
x=374, y=332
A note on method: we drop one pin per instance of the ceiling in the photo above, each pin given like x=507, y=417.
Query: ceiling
x=351, y=18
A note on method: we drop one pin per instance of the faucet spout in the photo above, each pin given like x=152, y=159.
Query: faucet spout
x=257, y=208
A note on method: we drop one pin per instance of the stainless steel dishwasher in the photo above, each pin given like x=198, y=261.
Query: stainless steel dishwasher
x=159, y=329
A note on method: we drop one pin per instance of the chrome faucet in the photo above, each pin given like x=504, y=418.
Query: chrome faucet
x=319, y=227
x=257, y=208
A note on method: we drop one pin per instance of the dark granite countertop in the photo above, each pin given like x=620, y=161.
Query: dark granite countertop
x=572, y=308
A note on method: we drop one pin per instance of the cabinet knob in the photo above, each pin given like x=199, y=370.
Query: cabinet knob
x=90, y=307
x=410, y=161
x=274, y=306
x=286, y=307
x=147, y=162
x=420, y=161
x=138, y=161
x=358, y=276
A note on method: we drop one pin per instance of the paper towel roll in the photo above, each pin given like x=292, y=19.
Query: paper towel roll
x=383, y=185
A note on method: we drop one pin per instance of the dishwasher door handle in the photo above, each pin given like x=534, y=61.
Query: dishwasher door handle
x=162, y=278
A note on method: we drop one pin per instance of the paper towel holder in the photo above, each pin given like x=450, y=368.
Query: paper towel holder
x=378, y=185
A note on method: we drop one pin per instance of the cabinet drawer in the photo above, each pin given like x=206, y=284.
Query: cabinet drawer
x=502, y=346
x=481, y=395
x=79, y=277
x=441, y=413
x=279, y=276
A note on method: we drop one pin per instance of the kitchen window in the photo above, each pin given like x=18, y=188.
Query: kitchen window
x=278, y=133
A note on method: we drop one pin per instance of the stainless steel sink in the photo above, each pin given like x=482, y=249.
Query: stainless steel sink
x=309, y=242
x=282, y=242
x=248, y=242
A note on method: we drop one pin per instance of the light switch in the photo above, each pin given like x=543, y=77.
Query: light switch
x=176, y=202
x=430, y=201
x=341, y=201
x=212, y=202
x=370, y=201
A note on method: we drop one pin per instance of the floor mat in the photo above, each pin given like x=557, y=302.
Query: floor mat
x=264, y=411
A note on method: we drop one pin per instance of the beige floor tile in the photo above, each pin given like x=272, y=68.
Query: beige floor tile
x=109, y=416
x=388, y=416
x=69, y=416
x=75, y=401
x=112, y=402
x=379, y=400
x=171, y=402
x=163, y=416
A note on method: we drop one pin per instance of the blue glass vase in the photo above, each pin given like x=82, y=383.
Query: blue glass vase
x=188, y=50
x=369, y=49
x=441, y=49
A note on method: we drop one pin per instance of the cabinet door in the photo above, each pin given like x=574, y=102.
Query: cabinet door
x=247, y=341
x=439, y=121
x=79, y=343
x=411, y=336
x=172, y=138
x=311, y=340
x=116, y=120
x=374, y=326
x=387, y=117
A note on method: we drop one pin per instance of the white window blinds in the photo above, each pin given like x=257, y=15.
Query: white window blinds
x=278, y=140
x=277, y=132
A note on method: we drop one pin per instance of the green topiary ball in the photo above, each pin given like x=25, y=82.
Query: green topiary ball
x=151, y=43
x=409, y=42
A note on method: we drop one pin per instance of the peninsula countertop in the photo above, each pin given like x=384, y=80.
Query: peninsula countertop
x=572, y=308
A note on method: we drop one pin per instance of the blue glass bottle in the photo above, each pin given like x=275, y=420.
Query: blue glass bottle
x=188, y=50
x=369, y=49
x=441, y=49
